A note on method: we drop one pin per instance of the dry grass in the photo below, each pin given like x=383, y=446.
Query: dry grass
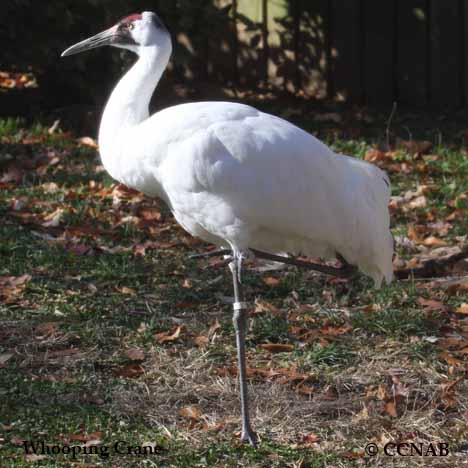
x=373, y=366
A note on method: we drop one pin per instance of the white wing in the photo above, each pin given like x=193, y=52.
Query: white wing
x=232, y=173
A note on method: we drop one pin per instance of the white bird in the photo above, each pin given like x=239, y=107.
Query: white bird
x=238, y=177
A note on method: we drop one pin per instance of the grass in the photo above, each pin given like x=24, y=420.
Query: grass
x=109, y=274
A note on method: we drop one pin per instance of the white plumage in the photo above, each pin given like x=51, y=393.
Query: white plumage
x=235, y=176
x=232, y=174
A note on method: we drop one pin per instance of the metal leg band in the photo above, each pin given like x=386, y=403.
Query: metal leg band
x=240, y=305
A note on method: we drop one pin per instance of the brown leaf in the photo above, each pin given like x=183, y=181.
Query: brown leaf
x=47, y=329
x=191, y=412
x=149, y=214
x=187, y=284
x=18, y=442
x=310, y=438
x=4, y=358
x=79, y=249
x=263, y=306
x=334, y=331
x=453, y=342
x=185, y=305
x=375, y=155
x=169, y=336
x=305, y=389
x=413, y=233
x=135, y=354
x=53, y=219
x=88, y=141
x=32, y=457
x=353, y=455
x=432, y=304
x=128, y=291
x=418, y=202
x=271, y=281
x=277, y=348
x=131, y=371
x=214, y=328
x=202, y=341
x=14, y=280
x=452, y=361
x=13, y=175
x=415, y=146
x=390, y=408
x=462, y=309
x=433, y=241
x=382, y=393
x=86, y=437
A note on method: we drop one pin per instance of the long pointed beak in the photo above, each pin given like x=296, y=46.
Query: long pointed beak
x=99, y=40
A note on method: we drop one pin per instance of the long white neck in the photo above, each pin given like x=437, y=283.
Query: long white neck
x=129, y=102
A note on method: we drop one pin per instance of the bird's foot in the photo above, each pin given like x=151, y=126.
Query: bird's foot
x=248, y=435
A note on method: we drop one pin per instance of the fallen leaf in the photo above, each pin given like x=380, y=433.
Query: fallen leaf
x=46, y=329
x=432, y=304
x=53, y=219
x=270, y=281
x=334, y=331
x=173, y=335
x=191, y=412
x=310, y=438
x=201, y=341
x=263, y=306
x=4, y=358
x=353, y=455
x=17, y=442
x=418, y=202
x=32, y=457
x=135, y=354
x=131, y=371
x=277, y=348
x=433, y=241
x=413, y=234
x=187, y=284
x=462, y=309
x=86, y=437
x=149, y=214
x=305, y=389
x=214, y=328
x=93, y=443
x=415, y=146
x=88, y=141
x=390, y=408
x=452, y=361
x=128, y=291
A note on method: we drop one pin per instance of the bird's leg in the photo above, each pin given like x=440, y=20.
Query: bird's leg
x=240, y=324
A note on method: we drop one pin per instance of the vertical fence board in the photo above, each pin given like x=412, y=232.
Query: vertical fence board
x=313, y=47
x=464, y=51
x=222, y=45
x=281, y=27
x=379, y=51
x=346, y=51
x=251, y=64
x=445, y=35
x=351, y=50
x=412, y=51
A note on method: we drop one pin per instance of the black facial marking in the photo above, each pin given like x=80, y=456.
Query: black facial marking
x=124, y=36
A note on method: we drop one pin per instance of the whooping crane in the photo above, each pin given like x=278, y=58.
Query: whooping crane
x=237, y=177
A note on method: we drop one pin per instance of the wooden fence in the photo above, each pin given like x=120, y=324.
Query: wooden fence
x=361, y=51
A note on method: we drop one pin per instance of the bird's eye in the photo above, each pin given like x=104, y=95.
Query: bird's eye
x=131, y=26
